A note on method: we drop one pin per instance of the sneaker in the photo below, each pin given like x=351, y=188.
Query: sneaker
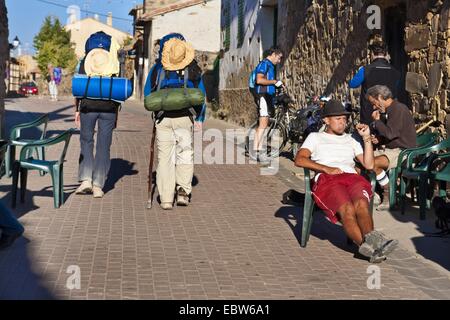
x=166, y=205
x=376, y=199
x=384, y=205
x=182, y=198
x=84, y=188
x=264, y=159
x=98, y=192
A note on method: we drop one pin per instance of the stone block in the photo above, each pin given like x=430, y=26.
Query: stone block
x=417, y=37
x=434, y=79
x=435, y=23
x=416, y=83
x=417, y=11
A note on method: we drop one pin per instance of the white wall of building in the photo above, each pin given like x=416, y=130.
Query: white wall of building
x=81, y=30
x=199, y=24
x=259, y=29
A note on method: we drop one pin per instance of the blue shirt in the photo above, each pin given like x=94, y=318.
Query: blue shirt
x=151, y=85
x=358, y=79
x=266, y=68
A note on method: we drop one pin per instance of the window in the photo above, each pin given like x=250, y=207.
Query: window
x=241, y=22
x=226, y=30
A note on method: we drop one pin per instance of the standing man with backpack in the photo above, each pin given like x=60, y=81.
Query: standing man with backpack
x=379, y=72
x=101, y=60
x=174, y=76
x=265, y=86
x=52, y=88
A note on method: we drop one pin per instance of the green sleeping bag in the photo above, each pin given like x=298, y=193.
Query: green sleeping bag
x=172, y=99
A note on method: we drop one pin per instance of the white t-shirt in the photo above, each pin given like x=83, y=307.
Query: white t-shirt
x=333, y=151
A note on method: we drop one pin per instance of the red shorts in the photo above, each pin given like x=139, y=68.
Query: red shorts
x=330, y=192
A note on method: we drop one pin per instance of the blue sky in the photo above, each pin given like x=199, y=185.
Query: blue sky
x=26, y=16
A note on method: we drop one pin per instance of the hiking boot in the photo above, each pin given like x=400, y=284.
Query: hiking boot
x=98, y=192
x=166, y=205
x=381, y=245
x=84, y=188
x=368, y=251
x=182, y=198
x=376, y=199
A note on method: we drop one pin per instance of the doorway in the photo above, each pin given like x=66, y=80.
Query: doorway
x=394, y=33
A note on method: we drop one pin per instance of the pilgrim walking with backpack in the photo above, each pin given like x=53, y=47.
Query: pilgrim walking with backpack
x=99, y=67
x=53, y=79
x=175, y=93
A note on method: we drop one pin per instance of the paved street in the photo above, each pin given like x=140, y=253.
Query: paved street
x=235, y=241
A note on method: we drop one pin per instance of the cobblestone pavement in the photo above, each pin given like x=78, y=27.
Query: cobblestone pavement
x=235, y=241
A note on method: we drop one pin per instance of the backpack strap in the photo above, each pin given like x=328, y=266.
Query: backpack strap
x=186, y=77
x=110, y=88
x=101, y=93
x=161, y=77
x=87, y=87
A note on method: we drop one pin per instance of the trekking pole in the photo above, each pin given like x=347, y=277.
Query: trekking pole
x=150, y=167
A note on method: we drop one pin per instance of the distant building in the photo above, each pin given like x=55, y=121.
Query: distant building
x=82, y=29
x=29, y=69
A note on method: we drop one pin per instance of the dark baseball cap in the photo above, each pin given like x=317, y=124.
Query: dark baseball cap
x=334, y=108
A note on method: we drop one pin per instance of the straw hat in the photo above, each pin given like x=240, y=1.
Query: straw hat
x=177, y=54
x=100, y=62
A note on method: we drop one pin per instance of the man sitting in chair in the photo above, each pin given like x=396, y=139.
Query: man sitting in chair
x=338, y=189
x=393, y=136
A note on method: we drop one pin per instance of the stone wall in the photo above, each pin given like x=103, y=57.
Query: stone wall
x=428, y=47
x=325, y=42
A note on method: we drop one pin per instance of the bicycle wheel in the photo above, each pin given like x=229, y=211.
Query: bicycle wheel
x=274, y=139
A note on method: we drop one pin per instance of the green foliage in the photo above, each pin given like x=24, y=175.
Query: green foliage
x=53, y=45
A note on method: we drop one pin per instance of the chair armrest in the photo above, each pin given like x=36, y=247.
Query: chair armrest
x=63, y=137
x=307, y=180
x=15, y=131
x=443, y=155
x=405, y=152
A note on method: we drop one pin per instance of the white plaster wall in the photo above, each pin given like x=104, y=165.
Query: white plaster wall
x=199, y=24
x=81, y=30
x=258, y=37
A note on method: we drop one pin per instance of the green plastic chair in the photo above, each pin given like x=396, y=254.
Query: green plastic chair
x=420, y=173
x=423, y=140
x=15, y=140
x=309, y=206
x=442, y=176
x=54, y=167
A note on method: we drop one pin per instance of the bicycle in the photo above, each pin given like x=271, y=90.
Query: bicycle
x=288, y=125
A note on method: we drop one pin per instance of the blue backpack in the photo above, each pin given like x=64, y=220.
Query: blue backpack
x=252, y=80
x=98, y=40
x=57, y=74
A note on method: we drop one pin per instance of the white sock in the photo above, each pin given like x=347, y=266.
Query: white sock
x=383, y=178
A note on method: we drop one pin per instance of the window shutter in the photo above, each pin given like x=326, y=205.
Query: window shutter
x=227, y=26
x=241, y=22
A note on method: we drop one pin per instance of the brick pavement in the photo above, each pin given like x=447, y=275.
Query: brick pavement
x=235, y=241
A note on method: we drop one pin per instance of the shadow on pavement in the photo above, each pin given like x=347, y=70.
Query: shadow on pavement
x=18, y=281
x=321, y=227
x=431, y=248
x=119, y=168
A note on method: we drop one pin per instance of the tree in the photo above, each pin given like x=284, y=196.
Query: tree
x=53, y=45
x=4, y=56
